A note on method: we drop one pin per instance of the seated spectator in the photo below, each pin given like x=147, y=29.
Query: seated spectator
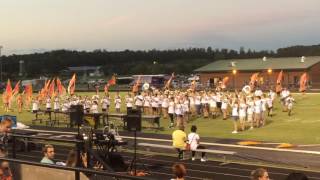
x=259, y=174
x=297, y=176
x=179, y=171
x=5, y=172
x=194, y=141
x=5, y=127
x=72, y=159
x=179, y=138
x=48, y=152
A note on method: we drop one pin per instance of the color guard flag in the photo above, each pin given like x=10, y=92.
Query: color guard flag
x=112, y=81
x=16, y=89
x=167, y=86
x=72, y=85
x=303, y=82
x=224, y=82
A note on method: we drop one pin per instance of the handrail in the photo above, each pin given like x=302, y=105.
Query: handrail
x=117, y=175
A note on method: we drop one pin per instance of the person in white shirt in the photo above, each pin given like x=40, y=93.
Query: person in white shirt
x=269, y=100
x=213, y=105
x=165, y=105
x=257, y=111
x=35, y=105
x=235, y=115
x=146, y=104
x=250, y=111
x=48, y=103
x=197, y=103
x=171, y=110
x=105, y=102
x=192, y=105
x=194, y=141
x=263, y=110
x=155, y=104
x=56, y=104
x=224, y=107
x=179, y=114
x=242, y=113
x=129, y=102
x=117, y=102
x=138, y=101
x=289, y=104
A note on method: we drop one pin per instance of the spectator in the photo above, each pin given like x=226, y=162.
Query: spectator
x=194, y=141
x=5, y=172
x=5, y=127
x=259, y=174
x=48, y=152
x=179, y=138
x=72, y=159
x=297, y=176
x=179, y=171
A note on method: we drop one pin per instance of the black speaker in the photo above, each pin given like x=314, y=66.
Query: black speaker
x=76, y=114
x=133, y=120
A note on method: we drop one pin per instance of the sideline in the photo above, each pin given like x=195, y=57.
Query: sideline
x=205, y=143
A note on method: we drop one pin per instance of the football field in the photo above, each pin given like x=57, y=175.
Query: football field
x=302, y=127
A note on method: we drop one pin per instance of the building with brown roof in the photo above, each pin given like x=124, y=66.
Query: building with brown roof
x=239, y=71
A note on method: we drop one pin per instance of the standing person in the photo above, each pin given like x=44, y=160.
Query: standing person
x=257, y=111
x=165, y=106
x=117, y=102
x=194, y=141
x=179, y=138
x=242, y=113
x=197, y=103
x=19, y=103
x=48, y=104
x=48, y=152
x=250, y=111
x=179, y=171
x=105, y=102
x=129, y=102
x=235, y=115
x=171, y=110
x=259, y=174
x=289, y=104
x=224, y=107
x=179, y=113
x=56, y=104
x=5, y=128
x=139, y=101
x=213, y=105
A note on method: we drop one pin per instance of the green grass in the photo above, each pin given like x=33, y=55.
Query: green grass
x=300, y=128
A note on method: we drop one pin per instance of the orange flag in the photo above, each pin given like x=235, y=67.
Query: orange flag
x=112, y=81
x=169, y=81
x=51, y=88
x=225, y=81
x=135, y=88
x=16, y=89
x=72, y=84
x=303, y=82
x=60, y=87
x=6, y=96
x=254, y=78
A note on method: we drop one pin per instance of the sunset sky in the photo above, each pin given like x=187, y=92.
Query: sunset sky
x=38, y=25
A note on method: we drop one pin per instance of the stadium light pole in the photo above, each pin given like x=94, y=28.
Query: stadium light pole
x=1, y=63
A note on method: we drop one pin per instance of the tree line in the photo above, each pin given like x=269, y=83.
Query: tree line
x=127, y=62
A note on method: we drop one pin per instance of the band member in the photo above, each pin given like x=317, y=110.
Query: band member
x=19, y=103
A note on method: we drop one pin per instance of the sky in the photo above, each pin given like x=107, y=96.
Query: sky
x=28, y=26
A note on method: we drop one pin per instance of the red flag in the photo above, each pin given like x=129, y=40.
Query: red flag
x=112, y=81
x=169, y=81
x=60, y=87
x=303, y=82
x=72, y=84
x=51, y=88
x=135, y=88
x=6, y=96
x=16, y=89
